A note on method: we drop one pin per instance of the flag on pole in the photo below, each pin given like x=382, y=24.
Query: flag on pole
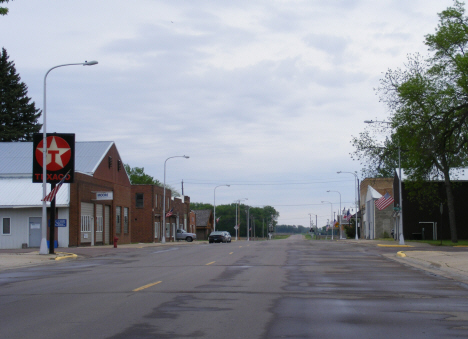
x=384, y=201
x=347, y=215
x=169, y=213
x=49, y=197
x=217, y=219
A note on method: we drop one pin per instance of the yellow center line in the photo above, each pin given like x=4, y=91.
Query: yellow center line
x=240, y=246
x=146, y=286
x=231, y=253
x=210, y=263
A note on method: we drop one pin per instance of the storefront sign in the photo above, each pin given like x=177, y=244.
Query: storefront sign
x=104, y=195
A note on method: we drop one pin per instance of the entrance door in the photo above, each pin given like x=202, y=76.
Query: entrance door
x=106, y=224
x=35, y=234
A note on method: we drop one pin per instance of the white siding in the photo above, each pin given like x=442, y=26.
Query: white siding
x=20, y=226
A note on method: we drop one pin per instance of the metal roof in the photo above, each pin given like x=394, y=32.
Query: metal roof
x=22, y=192
x=16, y=157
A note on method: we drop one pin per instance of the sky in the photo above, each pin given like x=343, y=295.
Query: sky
x=264, y=96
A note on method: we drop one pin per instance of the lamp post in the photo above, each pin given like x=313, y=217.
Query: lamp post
x=237, y=205
x=316, y=225
x=357, y=201
x=339, y=215
x=247, y=212
x=400, y=198
x=43, y=248
x=331, y=215
x=214, y=205
x=163, y=239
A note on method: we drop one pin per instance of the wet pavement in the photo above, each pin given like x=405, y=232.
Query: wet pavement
x=450, y=262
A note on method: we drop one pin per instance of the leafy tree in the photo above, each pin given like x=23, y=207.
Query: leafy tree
x=428, y=102
x=138, y=176
x=3, y=10
x=18, y=117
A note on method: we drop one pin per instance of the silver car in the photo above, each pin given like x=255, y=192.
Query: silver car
x=227, y=235
x=184, y=235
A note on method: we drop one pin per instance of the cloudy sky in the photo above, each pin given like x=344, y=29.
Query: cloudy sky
x=262, y=95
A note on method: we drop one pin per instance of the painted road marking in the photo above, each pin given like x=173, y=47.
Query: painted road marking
x=210, y=263
x=382, y=245
x=146, y=286
x=231, y=253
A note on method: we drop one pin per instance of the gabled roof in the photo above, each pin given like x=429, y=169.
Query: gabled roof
x=16, y=157
x=202, y=217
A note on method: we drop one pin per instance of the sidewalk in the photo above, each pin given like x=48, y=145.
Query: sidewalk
x=18, y=258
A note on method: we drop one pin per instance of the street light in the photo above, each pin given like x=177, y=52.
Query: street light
x=357, y=201
x=214, y=200
x=43, y=248
x=331, y=215
x=237, y=205
x=163, y=240
x=339, y=215
x=401, y=237
x=316, y=225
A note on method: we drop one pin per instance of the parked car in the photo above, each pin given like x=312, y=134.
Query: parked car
x=228, y=236
x=218, y=236
x=183, y=235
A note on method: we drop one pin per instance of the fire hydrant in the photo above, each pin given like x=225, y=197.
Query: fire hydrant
x=115, y=242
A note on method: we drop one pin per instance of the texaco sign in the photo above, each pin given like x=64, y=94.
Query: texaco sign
x=60, y=157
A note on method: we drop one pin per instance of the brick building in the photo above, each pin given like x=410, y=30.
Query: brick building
x=147, y=205
x=93, y=210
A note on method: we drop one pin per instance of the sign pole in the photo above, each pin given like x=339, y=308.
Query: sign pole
x=52, y=223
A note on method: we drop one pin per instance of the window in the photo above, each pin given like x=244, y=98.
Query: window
x=125, y=219
x=86, y=223
x=99, y=225
x=156, y=200
x=118, y=224
x=6, y=226
x=139, y=200
x=156, y=230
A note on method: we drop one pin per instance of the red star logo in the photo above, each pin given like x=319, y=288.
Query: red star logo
x=58, y=153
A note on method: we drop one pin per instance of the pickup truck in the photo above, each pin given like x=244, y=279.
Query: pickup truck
x=183, y=235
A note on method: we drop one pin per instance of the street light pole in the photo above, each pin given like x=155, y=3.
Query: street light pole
x=339, y=215
x=331, y=215
x=316, y=225
x=401, y=237
x=43, y=248
x=214, y=200
x=356, y=201
x=163, y=239
x=237, y=206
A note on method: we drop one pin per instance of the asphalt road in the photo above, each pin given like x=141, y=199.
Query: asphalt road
x=290, y=288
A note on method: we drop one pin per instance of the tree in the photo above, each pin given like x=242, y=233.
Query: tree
x=428, y=103
x=138, y=176
x=18, y=117
x=3, y=10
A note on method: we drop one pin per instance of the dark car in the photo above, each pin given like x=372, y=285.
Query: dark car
x=217, y=237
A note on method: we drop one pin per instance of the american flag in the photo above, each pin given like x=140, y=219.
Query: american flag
x=49, y=197
x=217, y=219
x=347, y=215
x=169, y=213
x=384, y=201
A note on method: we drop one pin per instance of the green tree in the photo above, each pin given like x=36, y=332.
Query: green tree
x=18, y=116
x=428, y=102
x=3, y=10
x=138, y=176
